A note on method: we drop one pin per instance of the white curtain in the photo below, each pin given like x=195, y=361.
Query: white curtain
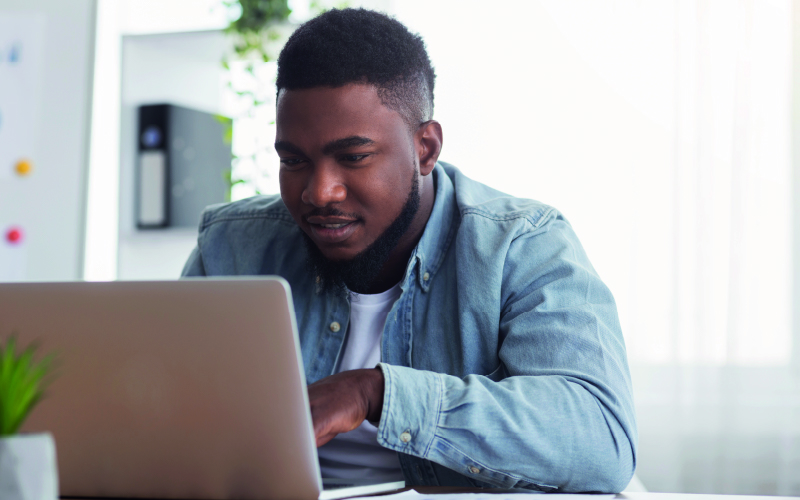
x=722, y=413
x=732, y=192
x=707, y=217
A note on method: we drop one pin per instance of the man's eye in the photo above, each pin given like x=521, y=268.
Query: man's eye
x=353, y=158
x=291, y=162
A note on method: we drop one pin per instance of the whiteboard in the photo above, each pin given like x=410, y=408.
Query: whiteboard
x=46, y=55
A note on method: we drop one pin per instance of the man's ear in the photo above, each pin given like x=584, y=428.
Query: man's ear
x=428, y=140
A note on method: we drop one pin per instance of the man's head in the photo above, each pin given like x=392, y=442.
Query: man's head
x=357, y=144
x=361, y=46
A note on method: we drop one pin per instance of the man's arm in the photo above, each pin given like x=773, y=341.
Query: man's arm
x=557, y=414
x=558, y=411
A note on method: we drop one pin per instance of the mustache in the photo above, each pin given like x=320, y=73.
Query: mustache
x=330, y=212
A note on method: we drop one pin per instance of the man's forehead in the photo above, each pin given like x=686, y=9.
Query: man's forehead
x=332, y=113
x=350, y=97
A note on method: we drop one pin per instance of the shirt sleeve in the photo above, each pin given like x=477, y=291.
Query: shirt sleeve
x=194, y=264
x=557, y=415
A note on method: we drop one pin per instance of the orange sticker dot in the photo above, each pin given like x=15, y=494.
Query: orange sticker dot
x=23, y=167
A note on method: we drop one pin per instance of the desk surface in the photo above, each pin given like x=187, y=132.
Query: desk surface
x=433, y=490
x=690, y=496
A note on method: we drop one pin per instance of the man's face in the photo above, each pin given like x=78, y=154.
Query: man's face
x=347, y=165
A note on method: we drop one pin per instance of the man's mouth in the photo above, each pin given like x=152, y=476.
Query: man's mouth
x=331, y=230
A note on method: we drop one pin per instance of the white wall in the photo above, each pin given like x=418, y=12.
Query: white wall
x=175, y=68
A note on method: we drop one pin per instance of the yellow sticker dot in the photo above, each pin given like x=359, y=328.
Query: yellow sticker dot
x=23, y=167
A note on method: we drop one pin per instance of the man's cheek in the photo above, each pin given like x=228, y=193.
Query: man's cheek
x=291, y=194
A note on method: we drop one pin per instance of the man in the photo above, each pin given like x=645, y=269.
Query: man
x=500, y=361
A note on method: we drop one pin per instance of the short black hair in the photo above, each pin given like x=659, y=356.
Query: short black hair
x=361, y=46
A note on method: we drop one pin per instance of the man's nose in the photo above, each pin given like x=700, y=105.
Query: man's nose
x=324, y=187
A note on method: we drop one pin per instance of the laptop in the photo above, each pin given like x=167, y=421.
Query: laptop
x=190, y=389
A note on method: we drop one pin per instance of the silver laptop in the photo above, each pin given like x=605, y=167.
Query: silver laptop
x=189, y=389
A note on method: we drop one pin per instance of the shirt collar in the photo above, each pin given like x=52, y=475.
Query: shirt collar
x=439, y=231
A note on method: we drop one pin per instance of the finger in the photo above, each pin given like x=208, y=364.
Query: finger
x=325, y=427
x=321, y=440
x=321, y=425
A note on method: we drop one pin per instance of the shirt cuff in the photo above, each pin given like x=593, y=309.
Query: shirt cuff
x=412, y=402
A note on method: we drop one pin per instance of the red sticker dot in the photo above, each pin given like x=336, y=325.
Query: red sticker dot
x=14, y=235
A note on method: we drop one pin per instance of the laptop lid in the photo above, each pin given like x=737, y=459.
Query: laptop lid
x=181, y=389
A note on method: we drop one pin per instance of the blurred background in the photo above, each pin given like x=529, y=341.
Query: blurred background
x=667, y=132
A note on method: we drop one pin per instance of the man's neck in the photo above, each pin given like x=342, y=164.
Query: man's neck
x=395, y=267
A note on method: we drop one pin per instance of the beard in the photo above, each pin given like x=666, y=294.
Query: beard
x=359, y=273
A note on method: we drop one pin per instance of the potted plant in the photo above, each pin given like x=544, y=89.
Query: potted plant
x=27, y=461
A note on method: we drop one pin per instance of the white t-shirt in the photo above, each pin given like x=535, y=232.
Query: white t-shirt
x=357, y=454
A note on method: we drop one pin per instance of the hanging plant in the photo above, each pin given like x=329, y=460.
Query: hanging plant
x=260, y=29
x=257, y=26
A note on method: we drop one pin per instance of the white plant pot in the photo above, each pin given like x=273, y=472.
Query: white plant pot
x=28, y=469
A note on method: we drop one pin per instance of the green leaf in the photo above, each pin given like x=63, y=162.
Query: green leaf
x=256, y=35
x=22, y=383
x=228, y=137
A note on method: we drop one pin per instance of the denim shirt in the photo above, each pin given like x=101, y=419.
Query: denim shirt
x=503, y=358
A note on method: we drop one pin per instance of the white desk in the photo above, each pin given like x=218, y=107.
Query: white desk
x=692, y=496
x=428, y=491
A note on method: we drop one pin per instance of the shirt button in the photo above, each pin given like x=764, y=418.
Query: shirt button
x=474, y=469
x=405, y=437
x=426, y=277
x=335, y=326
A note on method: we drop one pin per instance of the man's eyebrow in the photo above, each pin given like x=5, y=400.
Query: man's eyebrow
x=288, y=147
x=347, y=142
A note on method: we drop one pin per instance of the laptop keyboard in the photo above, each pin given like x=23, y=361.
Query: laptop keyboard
x=336, y=486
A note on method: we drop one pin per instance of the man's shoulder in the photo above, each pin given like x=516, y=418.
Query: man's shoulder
x=251, y=237
x=265, y=208
x=477, y=199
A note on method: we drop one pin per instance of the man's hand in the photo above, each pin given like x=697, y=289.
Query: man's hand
x=340, y=403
